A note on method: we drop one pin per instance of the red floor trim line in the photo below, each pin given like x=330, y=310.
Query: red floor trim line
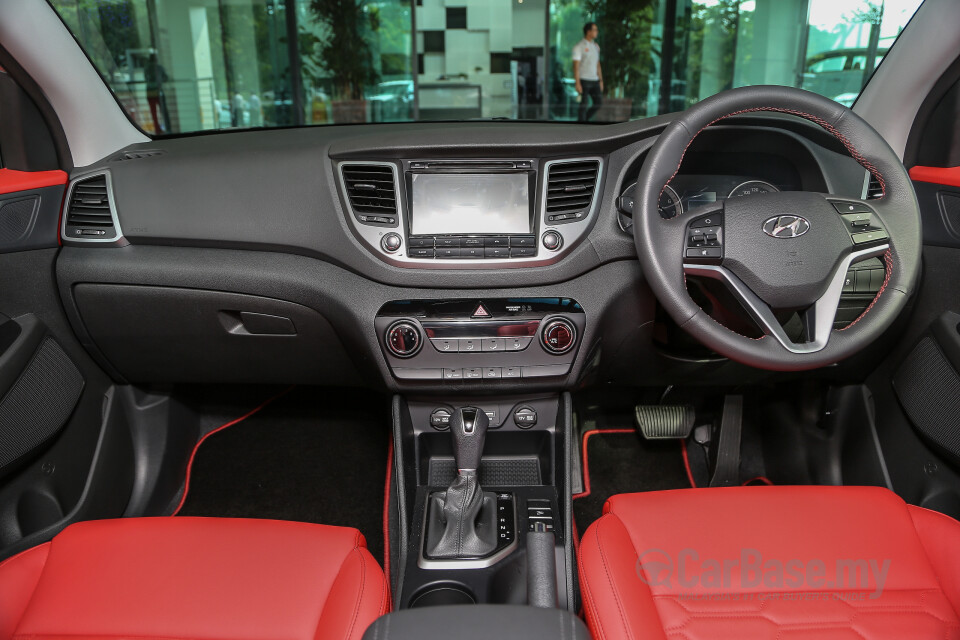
x=686, y=463
x=386, y=519
x=193, y=454
x=760, y=479
x=586, y=457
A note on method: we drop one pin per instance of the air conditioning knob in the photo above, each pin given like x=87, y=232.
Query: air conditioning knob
x=558, y=336
x=403, y=338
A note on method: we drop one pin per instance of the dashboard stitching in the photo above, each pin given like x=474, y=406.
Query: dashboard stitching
x=888, y=259
x=807, y=116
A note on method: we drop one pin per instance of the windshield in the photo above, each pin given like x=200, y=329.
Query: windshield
x=180, y=66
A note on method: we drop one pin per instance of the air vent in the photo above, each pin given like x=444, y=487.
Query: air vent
x=570, y=189
x=874, y=190
x=89, y=213
x=370, y=188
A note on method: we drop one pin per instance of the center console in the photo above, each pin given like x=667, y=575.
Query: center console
x=471, y=214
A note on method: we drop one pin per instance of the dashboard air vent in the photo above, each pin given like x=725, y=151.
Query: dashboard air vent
x=571, y=186
x=89, y=211
x=874, y=190
x=370, y=188
x=137, y=155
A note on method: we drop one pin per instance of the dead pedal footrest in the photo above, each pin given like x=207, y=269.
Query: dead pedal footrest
x=661, y=422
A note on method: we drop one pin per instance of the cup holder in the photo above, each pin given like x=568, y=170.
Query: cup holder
x=442, y=593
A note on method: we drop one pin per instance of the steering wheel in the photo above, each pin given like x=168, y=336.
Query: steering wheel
x=780, y=252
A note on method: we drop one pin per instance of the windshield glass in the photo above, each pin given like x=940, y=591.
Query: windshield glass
x=180, y=66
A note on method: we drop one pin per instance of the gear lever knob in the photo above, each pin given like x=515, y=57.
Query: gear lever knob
x=469, y=428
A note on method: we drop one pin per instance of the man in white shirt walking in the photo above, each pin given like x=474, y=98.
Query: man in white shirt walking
x=587, y=73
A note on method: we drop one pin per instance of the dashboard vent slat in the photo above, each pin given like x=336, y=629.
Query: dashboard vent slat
x=571, y=186
x=874, y=190
x=370, y=188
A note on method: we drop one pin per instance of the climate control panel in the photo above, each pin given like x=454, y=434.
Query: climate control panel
x=477, y=340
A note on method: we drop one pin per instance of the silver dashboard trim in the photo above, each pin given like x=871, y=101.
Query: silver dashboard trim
x=370, y=235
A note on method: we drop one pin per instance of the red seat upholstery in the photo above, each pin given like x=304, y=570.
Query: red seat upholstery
x=195, y=578
x=770, y=562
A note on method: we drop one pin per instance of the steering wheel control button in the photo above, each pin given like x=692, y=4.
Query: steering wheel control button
x=552, y=241
x=705, y=252
x=851, y=207
x=391, y=242
x=707, y=221
x=869, y=236
x=559, y=336
x=440, y=419
x=525, y=417
x=403, y=339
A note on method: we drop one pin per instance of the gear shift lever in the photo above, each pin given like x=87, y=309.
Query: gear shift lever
x=461, y=522
x=469, y=428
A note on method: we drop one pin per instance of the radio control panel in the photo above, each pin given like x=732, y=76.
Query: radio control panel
x=476, y=340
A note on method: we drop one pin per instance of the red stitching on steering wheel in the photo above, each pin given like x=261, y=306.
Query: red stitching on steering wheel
x=806, y=116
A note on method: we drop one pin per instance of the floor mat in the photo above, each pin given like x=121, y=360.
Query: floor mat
x=312, y=455
x=621, y=461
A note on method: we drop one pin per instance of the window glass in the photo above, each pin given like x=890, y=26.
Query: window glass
x=178, y=66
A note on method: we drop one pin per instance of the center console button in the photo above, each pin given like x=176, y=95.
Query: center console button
x=473, y=374
x=471, y=252
x=421, y=241
x=453, y=374
x=444, y=346
x=471, y=242
x=525, y=417
x=523, y=252
x=517, y=344
x=420, y=253
x=496, y=252
x=445, y=252
x=440, y=419
x=447, y=242
x=468, y=345
x=523, y=241
x=511, y=372
x=493, y=344
x=497, y=241
x=491, y=373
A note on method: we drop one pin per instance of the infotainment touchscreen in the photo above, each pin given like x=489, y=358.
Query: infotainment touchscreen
x=463, y=203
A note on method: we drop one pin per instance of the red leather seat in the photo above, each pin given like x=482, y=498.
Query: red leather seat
x=653, y=566
x=213, y=578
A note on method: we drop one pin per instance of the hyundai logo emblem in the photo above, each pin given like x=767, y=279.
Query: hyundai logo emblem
x=786, y=226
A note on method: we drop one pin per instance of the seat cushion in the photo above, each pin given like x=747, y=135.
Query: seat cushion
x=770, y=562
x=213, y=578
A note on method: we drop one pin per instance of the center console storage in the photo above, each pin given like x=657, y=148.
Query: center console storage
x=480, y=622
x=518, y=487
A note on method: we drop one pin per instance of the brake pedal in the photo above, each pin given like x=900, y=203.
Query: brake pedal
x=662, y=422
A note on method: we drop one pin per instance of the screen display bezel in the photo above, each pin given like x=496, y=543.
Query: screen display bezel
x=531, y=202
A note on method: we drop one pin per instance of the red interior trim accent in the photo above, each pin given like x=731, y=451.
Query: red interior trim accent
x=193, y=454
x=948, y=176
x=12, y=181
x=686, y=463
x=761, y=479
x=386, y=518
x=586, y=457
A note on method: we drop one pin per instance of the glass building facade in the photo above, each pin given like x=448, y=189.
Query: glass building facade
x=180, y=66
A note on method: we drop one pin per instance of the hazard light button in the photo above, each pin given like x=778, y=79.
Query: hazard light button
x=481, y=312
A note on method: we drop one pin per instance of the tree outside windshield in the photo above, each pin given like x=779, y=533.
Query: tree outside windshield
x=180, y=66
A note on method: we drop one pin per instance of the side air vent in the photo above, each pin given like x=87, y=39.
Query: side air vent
x=874, y=190
x=570, y=190
x=90, y=216
x=372, y=192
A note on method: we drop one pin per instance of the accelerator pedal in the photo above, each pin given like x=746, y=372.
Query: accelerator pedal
x=663, y=422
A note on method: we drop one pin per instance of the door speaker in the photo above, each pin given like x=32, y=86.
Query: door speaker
x=17, y=218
